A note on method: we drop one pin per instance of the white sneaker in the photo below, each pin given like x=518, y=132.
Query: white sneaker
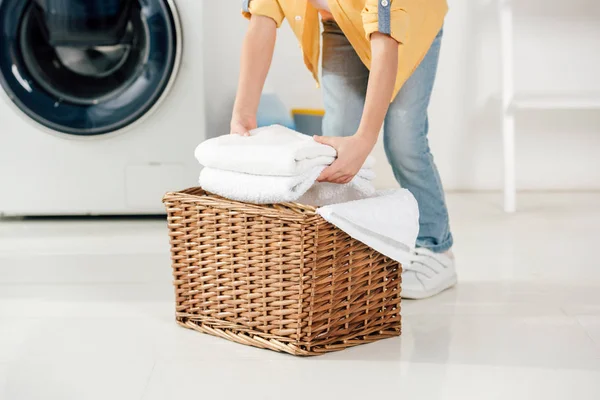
x=427, y=274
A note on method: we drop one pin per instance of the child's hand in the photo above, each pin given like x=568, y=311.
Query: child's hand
x=241, y=125
x=352, y=152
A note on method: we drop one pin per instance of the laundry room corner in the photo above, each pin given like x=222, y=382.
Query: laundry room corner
x=356, y=198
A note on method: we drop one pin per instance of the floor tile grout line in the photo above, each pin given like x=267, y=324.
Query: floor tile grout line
x=148, y=381
x=595, y=343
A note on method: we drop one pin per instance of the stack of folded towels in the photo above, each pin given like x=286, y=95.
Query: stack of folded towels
x=276, y=164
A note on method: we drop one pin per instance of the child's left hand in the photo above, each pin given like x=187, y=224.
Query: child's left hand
x=352, y=151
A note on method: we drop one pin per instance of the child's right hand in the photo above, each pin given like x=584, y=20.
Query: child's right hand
x=241, y=125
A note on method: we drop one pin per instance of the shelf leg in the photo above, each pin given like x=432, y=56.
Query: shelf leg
x=508, y=116
x=510, y=186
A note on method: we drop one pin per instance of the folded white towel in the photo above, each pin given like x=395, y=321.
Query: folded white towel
x=388, y=222
x=273, y=150
x=278, y=189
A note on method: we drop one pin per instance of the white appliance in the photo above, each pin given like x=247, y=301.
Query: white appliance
x=89, y=126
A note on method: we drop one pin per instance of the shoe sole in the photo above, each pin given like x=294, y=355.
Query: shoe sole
x=424, y=294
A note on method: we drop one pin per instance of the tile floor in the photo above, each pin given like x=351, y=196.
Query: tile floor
x=86, y=312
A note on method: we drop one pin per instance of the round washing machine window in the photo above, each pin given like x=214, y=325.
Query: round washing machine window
x=83, y=86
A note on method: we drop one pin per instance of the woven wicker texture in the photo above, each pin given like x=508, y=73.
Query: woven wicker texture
x=277, y=277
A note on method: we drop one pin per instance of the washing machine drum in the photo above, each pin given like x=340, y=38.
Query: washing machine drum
x=87, y=67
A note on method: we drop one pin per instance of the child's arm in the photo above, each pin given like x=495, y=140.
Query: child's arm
x=257, y=53
x=382, y=79
x=353, y=151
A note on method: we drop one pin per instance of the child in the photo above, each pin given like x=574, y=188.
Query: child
x=379, y=64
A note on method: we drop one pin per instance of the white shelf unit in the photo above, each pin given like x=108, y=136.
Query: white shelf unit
x=512, y=102
x=556, y=101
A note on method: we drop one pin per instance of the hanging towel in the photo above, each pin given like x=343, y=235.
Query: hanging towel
x=259, y=189
x=388, y=222
x=273, y=151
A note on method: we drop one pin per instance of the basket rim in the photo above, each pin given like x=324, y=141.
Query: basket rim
x=196, y=194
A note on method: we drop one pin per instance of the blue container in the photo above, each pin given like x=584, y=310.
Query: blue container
x=309, y=121
x=271, y=111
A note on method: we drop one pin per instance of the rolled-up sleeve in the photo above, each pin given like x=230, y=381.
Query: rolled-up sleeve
x=389, y=17
x=266, y=8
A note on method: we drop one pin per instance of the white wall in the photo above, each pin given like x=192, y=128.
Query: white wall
x=558, y=50
x=224, y=34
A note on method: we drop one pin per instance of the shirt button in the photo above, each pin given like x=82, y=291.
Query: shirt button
x=384, y=3
x=298, y=18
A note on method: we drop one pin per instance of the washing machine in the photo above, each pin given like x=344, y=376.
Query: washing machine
x=101, y=104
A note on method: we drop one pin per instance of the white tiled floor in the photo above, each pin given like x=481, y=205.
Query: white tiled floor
x=86, y=312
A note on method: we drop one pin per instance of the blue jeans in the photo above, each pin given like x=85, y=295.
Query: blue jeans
x=345, y=80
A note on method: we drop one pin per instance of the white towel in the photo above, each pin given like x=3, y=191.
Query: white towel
x=259, y=189
x=273, y=150
x=388, y=222
x=326, y=193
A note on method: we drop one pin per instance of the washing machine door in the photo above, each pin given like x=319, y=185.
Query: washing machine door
x=85, y=78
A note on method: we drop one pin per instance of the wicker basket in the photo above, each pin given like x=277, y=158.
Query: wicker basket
x=277, y=277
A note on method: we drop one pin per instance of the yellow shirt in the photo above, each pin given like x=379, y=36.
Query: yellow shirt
x=413, y=23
